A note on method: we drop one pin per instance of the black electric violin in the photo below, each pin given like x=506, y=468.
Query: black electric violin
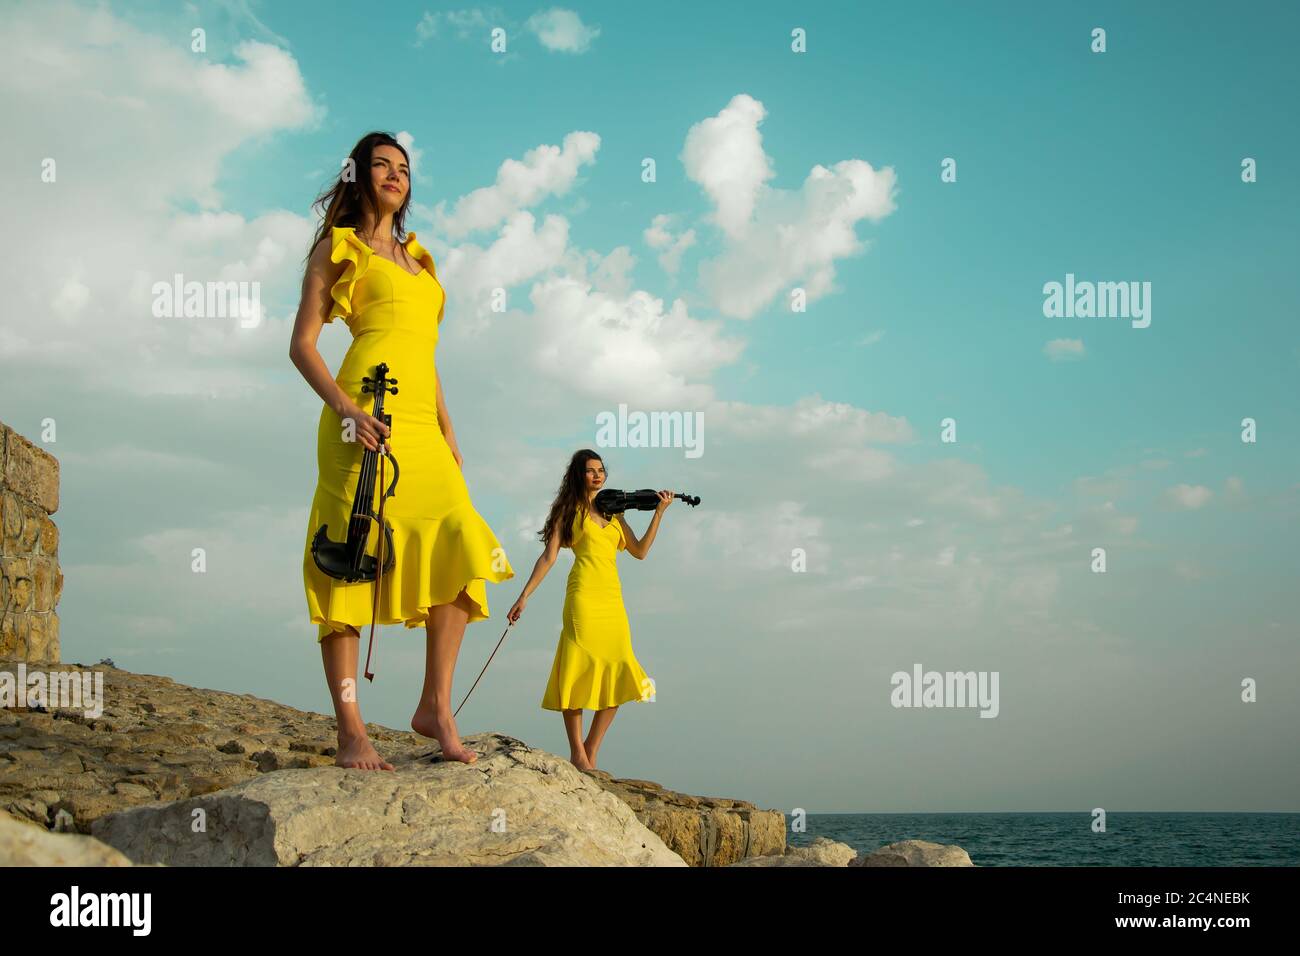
x=347, y=560
x=610, y=501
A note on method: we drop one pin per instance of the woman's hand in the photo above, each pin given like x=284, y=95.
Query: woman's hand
x=512, y=615
x=455, y=452
x=369, y=430
x=665, y=499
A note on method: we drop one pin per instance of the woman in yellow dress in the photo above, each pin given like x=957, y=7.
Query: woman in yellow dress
x=389, y=295
x=594, y=667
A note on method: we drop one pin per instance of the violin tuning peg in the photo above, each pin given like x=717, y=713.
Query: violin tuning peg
x=394, y=391
x=392, y=381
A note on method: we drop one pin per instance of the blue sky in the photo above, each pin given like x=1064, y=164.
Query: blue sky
x=822, y=428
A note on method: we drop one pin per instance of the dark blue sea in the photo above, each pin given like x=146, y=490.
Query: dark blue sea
x=1066, y=839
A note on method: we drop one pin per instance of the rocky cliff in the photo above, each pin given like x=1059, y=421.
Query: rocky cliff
x=261, y=775
x=175, y=775
x=30, y=579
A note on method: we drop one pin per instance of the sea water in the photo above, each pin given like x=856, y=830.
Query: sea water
x=1067, y=839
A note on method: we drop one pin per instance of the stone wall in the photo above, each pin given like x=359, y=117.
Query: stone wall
x=30, y=579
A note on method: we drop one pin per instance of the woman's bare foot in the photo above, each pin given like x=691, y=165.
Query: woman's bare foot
x=357, y=752
x=579, y=759
x=430, y=724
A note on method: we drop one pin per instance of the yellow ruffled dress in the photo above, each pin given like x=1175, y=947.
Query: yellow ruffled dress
x=440, y=543
x=594, y=666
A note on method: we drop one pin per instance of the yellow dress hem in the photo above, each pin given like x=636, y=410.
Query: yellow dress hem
x=477, y=588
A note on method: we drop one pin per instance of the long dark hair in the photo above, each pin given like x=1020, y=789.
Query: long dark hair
x=346, y=202
x=571, y=496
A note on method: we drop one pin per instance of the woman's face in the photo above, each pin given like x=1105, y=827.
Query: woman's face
x=390, y=177
x=595, y=474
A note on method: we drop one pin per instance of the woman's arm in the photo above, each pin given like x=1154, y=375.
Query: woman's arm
x=313, y=309
x=540, y=567
x=640, y=547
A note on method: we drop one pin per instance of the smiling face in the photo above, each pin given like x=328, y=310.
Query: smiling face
x=595, y=475
x=390, y=176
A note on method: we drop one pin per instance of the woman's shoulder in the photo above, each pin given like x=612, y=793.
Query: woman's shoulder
x=353, y=256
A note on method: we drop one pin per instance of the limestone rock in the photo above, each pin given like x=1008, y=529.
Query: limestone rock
x=159, y=741
x=915, y=853
x=821, y=852
x=26, y=844
x=516, y=806
x=704, y=831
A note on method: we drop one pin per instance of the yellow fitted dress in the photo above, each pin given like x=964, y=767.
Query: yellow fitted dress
x=594, y=665
x=440, y=543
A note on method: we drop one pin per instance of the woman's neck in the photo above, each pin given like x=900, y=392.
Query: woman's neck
x=384, y=228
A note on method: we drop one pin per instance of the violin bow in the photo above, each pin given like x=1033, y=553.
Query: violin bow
x=379, y=568
x=485, y=667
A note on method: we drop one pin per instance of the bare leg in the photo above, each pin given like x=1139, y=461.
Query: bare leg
x=339, y=653
x=433, y=718
x=600, y=722
x=573, y=727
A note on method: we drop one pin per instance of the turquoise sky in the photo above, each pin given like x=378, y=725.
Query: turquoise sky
x=1118, y=166
x=1119, y=691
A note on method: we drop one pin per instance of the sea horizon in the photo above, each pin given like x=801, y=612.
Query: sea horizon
x=1066, y=838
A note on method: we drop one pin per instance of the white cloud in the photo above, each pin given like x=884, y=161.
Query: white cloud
x=412, y=151
x=626, y=348
x=776, y=239
x=659, y=235
x=857, y=464
x=466, y=24
x=1062, y=349
x=735, y=542
x=562, y=31
x=544, y=171
x=1234, y=489
x=812, y=415
x=122, y=172
x=520, y=252
x=267, y=93
x=1107, y=519
x=724, y=155
x=1189, y=497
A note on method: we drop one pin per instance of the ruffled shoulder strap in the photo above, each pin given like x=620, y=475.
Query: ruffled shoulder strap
x=420, y=254
x=346, y=246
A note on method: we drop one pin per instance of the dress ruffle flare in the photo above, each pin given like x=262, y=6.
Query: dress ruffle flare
x=594, y=666
x=441, y=544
